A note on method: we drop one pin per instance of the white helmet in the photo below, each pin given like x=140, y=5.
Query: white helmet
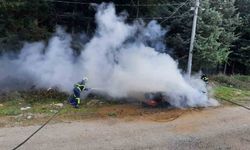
x=85, y=79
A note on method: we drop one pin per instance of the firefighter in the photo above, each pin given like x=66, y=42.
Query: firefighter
x=78, y=88
x=204, y=78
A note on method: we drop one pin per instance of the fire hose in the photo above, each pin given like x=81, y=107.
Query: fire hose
x=55, y=114
x=248, y=108
x=52, y=117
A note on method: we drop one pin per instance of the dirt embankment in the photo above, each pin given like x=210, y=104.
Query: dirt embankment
x=126, y=112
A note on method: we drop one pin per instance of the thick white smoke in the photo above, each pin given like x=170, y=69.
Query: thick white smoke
x=43, y=65
x=119, y=59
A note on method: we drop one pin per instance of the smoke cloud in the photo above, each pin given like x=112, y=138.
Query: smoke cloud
x=119, y=59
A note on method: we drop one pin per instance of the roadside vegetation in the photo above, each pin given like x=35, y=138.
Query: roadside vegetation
x=235, y=88
x=42, y=102
x=35, y=106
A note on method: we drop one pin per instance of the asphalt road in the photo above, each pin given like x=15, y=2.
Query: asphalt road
x=213, y=128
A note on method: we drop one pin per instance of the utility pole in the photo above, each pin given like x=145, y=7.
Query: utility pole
x=190, y=56
x=137, y=11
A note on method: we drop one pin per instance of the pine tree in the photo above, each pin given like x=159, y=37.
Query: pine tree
x=240, y=58
x=22, y=20
x=209, y=51
x=230, y=21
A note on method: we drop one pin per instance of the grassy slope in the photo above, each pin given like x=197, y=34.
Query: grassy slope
x=39, y=101
x=235, y=88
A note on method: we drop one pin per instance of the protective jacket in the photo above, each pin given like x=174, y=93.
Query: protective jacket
x=78, y=88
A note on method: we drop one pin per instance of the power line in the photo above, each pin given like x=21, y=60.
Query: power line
x=177, y=9
x=129, y=5
x=146, y=18
x=133, y=5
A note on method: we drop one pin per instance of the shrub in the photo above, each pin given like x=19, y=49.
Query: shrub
x=237, y=81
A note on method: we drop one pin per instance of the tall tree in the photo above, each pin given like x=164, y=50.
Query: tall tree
x=177, y=19
x=240, y=58
x=230, y=21
x=23, y=20
x=216, y=33
x=208, y=52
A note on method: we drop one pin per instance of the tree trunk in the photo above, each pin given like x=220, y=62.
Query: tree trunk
x=225, y=69
x=233, y=69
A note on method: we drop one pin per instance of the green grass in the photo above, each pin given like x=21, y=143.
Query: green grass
x=228, y=93
x=41, y=102
x=10, y=111
x=10, y=108
x=46, y=107
x=235, y=88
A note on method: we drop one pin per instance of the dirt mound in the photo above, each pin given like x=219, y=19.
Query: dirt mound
x=132, y=112
x=122, y=112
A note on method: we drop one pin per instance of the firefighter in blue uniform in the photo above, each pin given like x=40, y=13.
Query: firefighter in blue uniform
x=78, y=88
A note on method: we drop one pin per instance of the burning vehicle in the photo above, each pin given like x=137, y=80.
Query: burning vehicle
x=155, y=99
x=149, y=99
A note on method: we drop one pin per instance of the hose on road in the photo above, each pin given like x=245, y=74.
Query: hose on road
x=248, y=108
x=52, y=117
